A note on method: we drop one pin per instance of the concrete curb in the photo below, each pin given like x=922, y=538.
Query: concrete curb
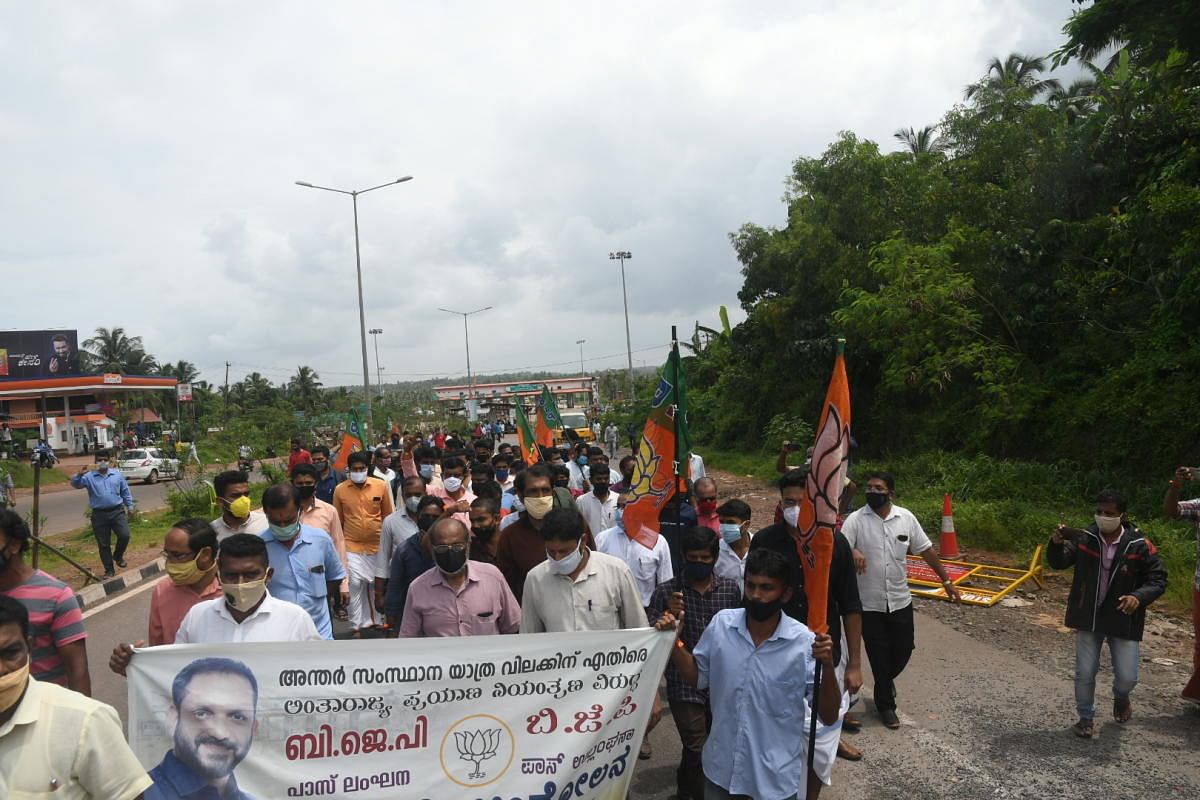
x=95, y=593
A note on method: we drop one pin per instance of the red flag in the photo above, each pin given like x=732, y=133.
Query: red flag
x=826, y=478
x=654, y=472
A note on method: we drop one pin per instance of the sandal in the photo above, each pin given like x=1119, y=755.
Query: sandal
x=848, y=752
x=851, y=724
x=1084, y=728
x=1122, y=709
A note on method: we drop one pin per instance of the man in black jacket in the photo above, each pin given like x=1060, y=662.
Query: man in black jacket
x=1117, y=574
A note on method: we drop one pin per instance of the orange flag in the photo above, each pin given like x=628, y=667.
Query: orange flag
x=826, y=477
x=654, y=472
x=548, y=418
x=529, y=449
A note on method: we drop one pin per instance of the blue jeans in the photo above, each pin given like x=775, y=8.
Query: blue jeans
x=1125, y=655
x=714, y=792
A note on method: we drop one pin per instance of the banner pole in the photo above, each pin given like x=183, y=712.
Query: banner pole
x=675, y=464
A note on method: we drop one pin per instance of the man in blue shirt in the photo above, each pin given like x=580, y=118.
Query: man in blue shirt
x=304, y=559
x=110, y=501
x=757, y=664
x=328, y=478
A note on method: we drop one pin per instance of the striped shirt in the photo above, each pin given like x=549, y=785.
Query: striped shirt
x=54, y=621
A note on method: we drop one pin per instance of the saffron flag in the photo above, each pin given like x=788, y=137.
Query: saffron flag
x=548, y=418
x=529, y=449
x=655, y=471
x=822, y=492
x=352, y=440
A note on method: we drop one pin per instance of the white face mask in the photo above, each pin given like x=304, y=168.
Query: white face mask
x=358, y=477
x=1108, y=525
x=566, y=565
x=791, y=515
x=452, y=484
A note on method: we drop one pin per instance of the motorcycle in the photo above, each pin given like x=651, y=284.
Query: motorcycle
x=43, y=455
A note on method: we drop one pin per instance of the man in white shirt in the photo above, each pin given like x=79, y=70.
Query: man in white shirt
x=599, y=506
x=735, y=540
x=576, y=589
x=381, y=466
x=882, y=535
x=398, y=526
x=232, y=488
x=246, y=612
x=649, y=568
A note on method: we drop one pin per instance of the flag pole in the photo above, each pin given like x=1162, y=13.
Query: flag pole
x=675, y=427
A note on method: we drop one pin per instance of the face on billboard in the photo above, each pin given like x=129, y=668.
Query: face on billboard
x=38, y=354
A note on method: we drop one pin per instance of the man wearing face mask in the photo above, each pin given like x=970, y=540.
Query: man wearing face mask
x=381, y=465
x=577, y=478
x=700, y=593
x=398, y=527
x=649, y=568
x=576, y=588
x=57, y=635
x=315, y=512
x=305, y=566
x=420, y=460
x=454, y=490
x=882, y=535
x=599, y=506
x=735, y=540
x=1118, y=573
x=232, y=488
x=55, y=742
x=485, y=525
x=626, y=465
x=413, y=559
x=521, y=546
x=362, y=503
x=459, y=596
x=704, y=492
x=328, y=478
x=501, y=467
x=111, y=503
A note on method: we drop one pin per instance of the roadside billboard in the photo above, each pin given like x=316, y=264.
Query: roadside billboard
x=39, y=354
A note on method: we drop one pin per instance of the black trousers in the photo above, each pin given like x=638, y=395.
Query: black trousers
x=889, y=639
x=104, y=525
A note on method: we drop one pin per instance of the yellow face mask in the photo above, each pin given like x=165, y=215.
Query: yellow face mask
x=240, y=508
x=12, y=685
x=189, y=572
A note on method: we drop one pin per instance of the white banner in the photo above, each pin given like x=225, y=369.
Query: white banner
x=522, y=717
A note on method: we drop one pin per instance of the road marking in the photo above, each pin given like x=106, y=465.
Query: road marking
x=119, y=599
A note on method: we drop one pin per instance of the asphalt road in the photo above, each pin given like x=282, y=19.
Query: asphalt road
x=63, y=508
x=980, y=721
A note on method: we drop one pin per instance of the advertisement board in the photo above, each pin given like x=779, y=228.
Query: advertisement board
x=39, y=354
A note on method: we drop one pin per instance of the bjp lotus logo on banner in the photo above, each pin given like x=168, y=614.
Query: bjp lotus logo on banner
x=477, y=750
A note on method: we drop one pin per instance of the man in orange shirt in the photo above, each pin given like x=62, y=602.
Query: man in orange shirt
x=361, y=502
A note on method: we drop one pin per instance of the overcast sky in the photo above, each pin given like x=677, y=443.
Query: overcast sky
x=150, y=151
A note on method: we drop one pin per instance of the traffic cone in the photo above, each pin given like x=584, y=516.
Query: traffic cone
x=949, y=544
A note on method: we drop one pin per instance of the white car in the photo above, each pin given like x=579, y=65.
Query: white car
x=147, y=464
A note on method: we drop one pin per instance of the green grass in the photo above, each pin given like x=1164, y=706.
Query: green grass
x=22, y=474
x=145, y=530
x=1009, y=506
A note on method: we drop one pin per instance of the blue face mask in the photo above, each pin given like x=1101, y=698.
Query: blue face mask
x=502, y=475
x=620, y=517
x=285, y=533
x=426, y=471
x=731, y=533
x=581, y=461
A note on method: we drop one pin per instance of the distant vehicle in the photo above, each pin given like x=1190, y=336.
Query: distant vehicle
x=147, y=464
x=575, y=422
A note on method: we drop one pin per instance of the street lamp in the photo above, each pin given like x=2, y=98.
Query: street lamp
x=378, y=372
x=582, y=372
x=467, y=334
x=621, y=255
x=362, y=318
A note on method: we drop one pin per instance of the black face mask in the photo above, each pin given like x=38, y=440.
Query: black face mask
x=305, y=492
x=697, y=570
x=760, y=611
x=424, y=523
x=483, y=534
x=450, y=563
x=877, y=500
x=600, y=491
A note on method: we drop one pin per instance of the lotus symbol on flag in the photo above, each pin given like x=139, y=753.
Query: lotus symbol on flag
x=826, y=476
x=477, y=746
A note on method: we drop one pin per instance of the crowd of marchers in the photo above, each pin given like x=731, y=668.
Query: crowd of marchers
x=442, y=535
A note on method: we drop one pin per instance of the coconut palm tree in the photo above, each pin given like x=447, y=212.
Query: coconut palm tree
x=1075, y=101
x=920, y=142
x=1011, y=85
x=182, y=371
x=305, y=388
x=111, y=350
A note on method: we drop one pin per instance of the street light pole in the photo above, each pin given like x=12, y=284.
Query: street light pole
x=362, y=318
x=378, y=372
x=621, y=255
x=467, y=336
x=582, y=372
